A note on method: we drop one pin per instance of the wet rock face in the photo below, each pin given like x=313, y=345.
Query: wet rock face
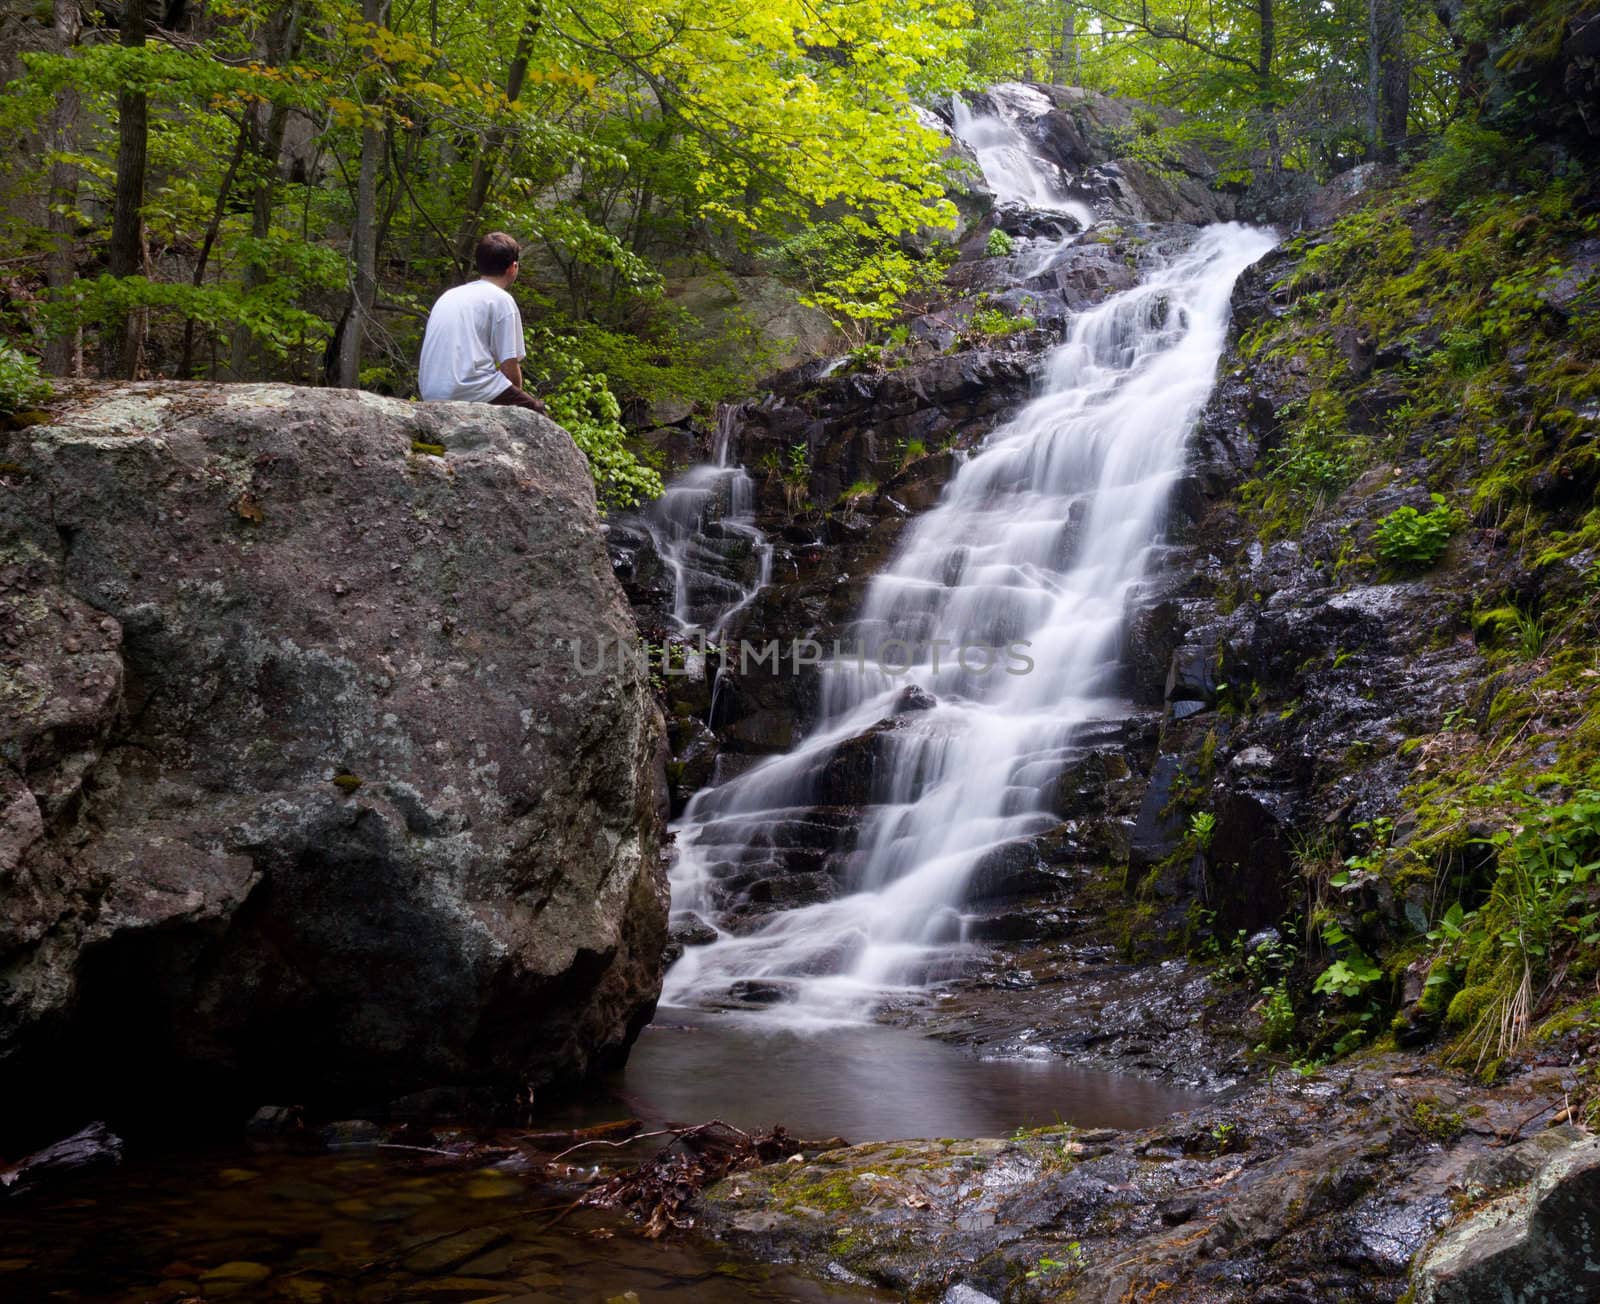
x=878, y=444
x=1287, y=682
x=1303, y=1190
x=305, y=797
x=1087, y=135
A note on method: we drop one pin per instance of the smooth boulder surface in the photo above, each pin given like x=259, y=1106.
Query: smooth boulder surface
x=304, y=794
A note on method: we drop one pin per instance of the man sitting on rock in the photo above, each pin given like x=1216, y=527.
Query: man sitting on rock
x=472, y=348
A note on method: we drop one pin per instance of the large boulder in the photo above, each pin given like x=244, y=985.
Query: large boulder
x=1542, y=1243
x=305, y=793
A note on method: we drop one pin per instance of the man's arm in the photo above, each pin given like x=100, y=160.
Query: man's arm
x=511, y=369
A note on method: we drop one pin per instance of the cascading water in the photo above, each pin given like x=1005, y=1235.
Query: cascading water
x=1001, y=612
x=1023, y=184
x=703, y=529
x=1012, y=173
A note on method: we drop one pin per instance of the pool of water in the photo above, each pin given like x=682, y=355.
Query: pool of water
x=325, y=1229
x=866, y=1083
x=390, y=1225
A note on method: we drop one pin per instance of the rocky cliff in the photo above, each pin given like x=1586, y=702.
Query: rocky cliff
x=306, y=798
x=1349, y=826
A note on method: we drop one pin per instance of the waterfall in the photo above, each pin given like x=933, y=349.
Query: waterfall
x=1013, y=173
x=983, y=649
x=703, y=529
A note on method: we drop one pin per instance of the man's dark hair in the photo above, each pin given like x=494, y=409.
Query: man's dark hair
x=496, y=252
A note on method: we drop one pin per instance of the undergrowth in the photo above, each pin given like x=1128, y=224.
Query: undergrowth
x=1441, y=338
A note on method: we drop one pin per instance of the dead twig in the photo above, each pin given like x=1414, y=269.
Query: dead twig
x=659, y=1190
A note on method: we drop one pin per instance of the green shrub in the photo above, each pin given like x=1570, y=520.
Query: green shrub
x=1407, y=537
x=1541, y=910
x=1463, y=352
x=999, y=245
x=21, y=385
x=1319, y=456
x=582, y=401
x=860, y=279
x=992, y=323
x=1468, y=160
x=1314, y=470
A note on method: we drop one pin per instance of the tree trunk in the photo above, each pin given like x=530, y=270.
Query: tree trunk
x=1393, y=74
x=283, y=42
x=363, y=239
x=125, y=255
x=62, y=268
x=1374, y=127
x=1071, y=67
x=489, y=154
x=186, y=366
x=1265, y=58
x=1456, y=17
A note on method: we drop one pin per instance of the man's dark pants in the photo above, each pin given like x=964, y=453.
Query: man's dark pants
x=514, y=397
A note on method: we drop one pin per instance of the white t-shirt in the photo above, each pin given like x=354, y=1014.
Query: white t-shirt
x=471, y=331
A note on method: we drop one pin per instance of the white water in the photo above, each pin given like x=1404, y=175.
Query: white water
x=691, y=524
x=1038, y=539
x=1012, y=172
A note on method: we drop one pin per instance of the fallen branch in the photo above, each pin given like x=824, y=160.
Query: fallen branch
x=677, y=1133
x=659, y=1191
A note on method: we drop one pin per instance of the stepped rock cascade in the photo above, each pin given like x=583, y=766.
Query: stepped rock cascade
x=1014, y=174
x=978, y=657
x=703, y=529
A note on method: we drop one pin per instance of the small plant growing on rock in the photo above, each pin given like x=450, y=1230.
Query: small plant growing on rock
x=857, y=494
x=796, y=476
x=1202, y=824
x=1277, y=1017
x=1348, y=978
x=1517, y=628
x=1407, y=537
x=1351, y=974
x=993, y=324
x=1074, y=1258
x=999, y=244
x=910, y=450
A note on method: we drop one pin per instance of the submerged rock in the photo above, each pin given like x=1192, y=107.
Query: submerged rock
x=307, y=796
